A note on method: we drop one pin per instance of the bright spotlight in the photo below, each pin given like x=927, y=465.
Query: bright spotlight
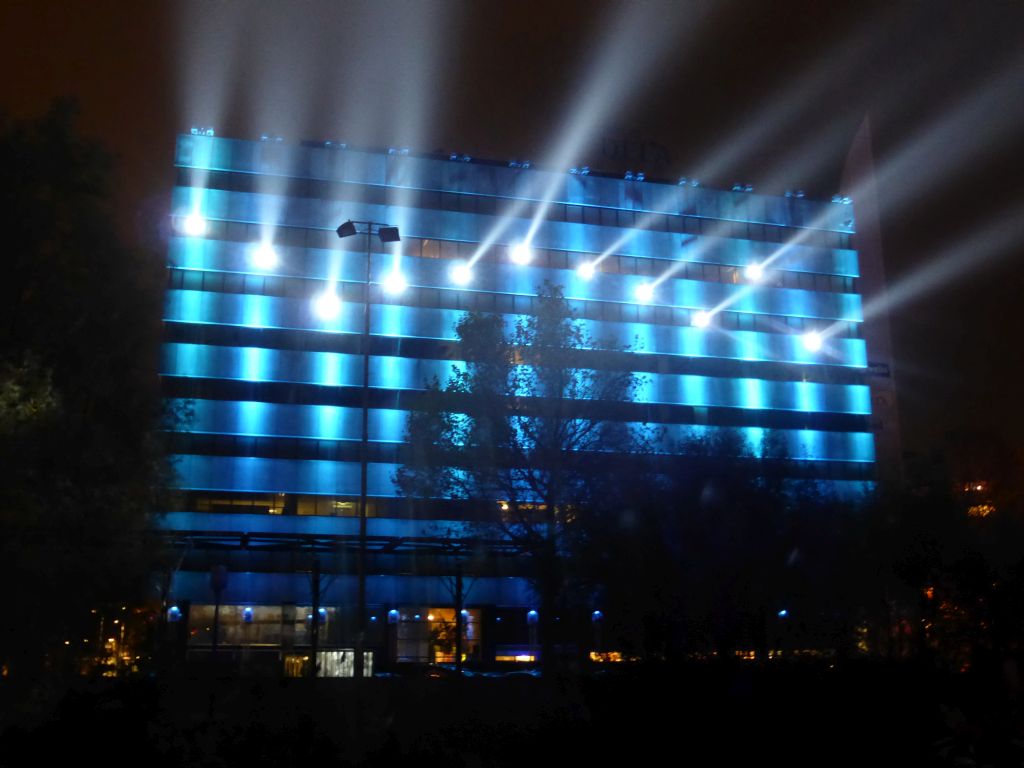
x=461, y=273
x=394, y=282
x=521, y=254
x=754, y=272
x=644, y=292
x=194, y=225
x=701, y=319
x=327, y=305
x=812, y=341
x=264, y=256
x=586, y=270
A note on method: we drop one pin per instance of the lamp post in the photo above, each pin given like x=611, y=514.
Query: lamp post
x=387, y=234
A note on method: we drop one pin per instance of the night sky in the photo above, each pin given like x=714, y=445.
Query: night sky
x=763, y=93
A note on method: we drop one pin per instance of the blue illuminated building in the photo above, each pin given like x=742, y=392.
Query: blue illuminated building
x=751, y=321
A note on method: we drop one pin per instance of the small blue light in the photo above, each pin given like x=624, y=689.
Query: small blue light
x=596, y=616
x=783, y=613
x=465, y=613
x=532, y=616
x=393, y=616
x=174, y=614
x=373, y=619
x=247, y=615
x=498, y=619
x=417, y=617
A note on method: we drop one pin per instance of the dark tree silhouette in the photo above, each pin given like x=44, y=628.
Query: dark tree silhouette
x=79, y=404
x=523, y=429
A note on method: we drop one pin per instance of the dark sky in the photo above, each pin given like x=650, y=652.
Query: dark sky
x=764, y=93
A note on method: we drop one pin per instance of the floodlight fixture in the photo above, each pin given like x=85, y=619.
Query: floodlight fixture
x=701, y=319
x=388, y=234
x=194, y=225
x=461, y=273
x=264, y=256
x=754, y=272
x=586, y=270
x=644, y=292
x=327, y=305
x=347, y=229
x=812, y=341
x=394, y=282
x=521, y=254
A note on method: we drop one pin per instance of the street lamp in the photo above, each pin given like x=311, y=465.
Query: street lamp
x=387, y=234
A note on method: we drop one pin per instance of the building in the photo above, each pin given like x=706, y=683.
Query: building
x=743, y=308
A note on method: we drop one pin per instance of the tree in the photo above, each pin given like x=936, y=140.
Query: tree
x=79, y=405
x=526, y=428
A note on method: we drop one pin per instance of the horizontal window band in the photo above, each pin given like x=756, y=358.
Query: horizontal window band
x=440, y=349
x=488, y=205
x=406, y=400
x=443, y=297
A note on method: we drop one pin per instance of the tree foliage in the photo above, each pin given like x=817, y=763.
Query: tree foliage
x=79, y=402
x=523, y=429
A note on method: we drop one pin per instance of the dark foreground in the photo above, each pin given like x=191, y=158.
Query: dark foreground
x=869, y=714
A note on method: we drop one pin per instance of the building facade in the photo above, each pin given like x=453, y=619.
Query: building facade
x=742, y=312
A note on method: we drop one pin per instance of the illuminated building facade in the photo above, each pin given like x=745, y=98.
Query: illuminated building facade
x=743, y=311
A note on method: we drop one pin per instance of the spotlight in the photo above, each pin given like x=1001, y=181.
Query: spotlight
x=812, y=341
x=388, y=234
x=461, y=273
x=644, y=292
x=586, y=270
x=347, y=229
x=754, y=272
x=327, y=305
x=701, y=319
x=394, y=282
x=264, y=256
x=194, y=225
x=521, y=254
